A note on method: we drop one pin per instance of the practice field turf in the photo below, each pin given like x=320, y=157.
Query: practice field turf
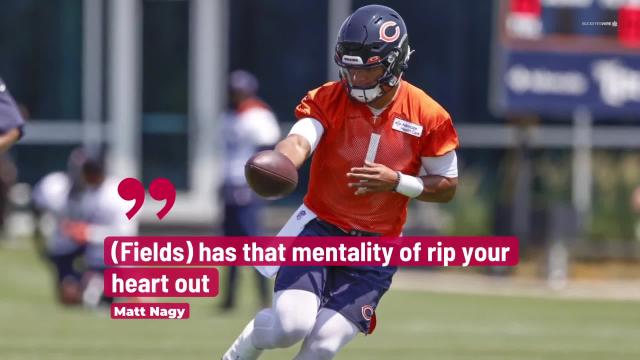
x=411, y=325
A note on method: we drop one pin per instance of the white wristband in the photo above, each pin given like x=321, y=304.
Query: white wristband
x=410, y=186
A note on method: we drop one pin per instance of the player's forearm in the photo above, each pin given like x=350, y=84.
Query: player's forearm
x=295, y=147
x=9, y=138
x=438, y=188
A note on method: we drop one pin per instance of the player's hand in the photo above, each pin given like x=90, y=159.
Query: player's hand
x=77, y=230
x=372, y=178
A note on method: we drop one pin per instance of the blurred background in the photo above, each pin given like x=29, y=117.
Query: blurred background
x=545, y=95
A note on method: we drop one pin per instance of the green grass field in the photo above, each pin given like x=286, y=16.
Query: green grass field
x=411, y=325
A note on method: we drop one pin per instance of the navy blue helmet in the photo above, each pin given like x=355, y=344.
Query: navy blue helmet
x=374, y=36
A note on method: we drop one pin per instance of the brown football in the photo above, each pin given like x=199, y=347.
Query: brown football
x=271, y=174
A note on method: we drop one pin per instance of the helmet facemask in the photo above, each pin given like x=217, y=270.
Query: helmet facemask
x=360, y=83
x=355, y=76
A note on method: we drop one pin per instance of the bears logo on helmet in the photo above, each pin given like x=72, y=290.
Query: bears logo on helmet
x=383, y=32
x=374, y=35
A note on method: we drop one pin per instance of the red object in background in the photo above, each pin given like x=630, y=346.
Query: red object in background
x=629, y=25
x=77, y=230
x=524, y=19
x=528, y=7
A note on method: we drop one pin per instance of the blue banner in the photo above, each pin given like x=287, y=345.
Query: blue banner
x=555, y=83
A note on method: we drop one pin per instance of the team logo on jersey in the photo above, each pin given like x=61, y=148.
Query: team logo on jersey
x=407, y=127
x=367, y=312
x=383, y=31
x=301, y=214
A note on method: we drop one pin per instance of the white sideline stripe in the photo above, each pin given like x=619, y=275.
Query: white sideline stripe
x=293, y=227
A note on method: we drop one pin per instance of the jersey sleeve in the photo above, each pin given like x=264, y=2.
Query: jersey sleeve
x=321, y=104
x=441, y=138
x=445, y=165
x=310, y=108
x=309, y=128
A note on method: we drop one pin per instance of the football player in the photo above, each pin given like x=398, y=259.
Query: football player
x=248, y=126
x=379, y=141
x=11, y=122
x=86, y=208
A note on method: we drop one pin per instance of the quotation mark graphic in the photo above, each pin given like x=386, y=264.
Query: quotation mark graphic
x=159, y=189
x=162, y=189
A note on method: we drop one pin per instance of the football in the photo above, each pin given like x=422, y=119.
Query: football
x=271, y=174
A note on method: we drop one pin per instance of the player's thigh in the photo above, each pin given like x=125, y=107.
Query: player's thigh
x=308, y=278
x=330, y=333
x=295, y=310
x=355, y=292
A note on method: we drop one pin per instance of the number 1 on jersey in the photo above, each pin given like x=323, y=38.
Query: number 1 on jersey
x=374, y=141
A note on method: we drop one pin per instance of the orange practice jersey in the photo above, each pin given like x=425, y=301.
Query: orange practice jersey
x=412, y=126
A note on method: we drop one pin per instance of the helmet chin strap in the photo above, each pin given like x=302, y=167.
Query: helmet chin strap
x=371, y=94
x=367, y=95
